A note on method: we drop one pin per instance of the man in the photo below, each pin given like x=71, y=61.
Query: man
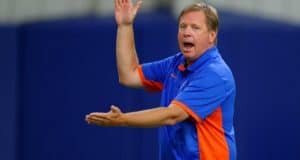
x=198, y=90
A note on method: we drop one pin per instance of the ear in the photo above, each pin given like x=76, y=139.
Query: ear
x=212, y=36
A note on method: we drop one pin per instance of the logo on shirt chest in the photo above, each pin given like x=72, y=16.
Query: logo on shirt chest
x=177, y=82
x=183, y=85
x=173, y=75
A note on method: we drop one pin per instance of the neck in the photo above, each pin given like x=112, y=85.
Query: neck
x=190, y=62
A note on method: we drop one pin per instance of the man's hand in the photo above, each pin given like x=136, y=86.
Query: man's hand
x=112, y=118
x=149, y=118
x=125, y=11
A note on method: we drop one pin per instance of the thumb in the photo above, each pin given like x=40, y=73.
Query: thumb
x=115, y=109
x=138, y=5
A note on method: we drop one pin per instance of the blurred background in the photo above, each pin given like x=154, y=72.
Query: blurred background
x=57, y=63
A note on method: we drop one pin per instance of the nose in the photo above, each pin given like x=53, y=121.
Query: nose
x=186, y=32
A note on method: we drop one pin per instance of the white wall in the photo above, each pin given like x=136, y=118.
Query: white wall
x=6, y=8
x=105, y=7
x=12, y=11
x=29, y=10
x=15, y=11
x=284, y=10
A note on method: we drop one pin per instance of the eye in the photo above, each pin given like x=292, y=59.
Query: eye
x=195, y=27
x=182, y=26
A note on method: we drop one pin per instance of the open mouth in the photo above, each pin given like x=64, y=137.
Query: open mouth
x=188, y=45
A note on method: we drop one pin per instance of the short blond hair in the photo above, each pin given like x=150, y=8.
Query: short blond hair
x=211, y=14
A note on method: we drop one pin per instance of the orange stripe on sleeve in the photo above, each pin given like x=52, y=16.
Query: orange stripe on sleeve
x=194, y=117
x=187, y=110
x=150, y=85
x=210, y=134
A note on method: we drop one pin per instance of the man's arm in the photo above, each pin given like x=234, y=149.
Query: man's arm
x=127, y=60
x=155, y=117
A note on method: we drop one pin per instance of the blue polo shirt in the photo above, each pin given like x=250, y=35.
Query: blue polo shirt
x=206, y=91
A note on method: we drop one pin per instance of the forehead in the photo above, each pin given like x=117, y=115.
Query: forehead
x=193, y=16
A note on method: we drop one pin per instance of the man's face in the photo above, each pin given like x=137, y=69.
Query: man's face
x=194, y=38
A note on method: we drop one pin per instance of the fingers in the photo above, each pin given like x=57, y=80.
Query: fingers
x=100, y=116
x=98, y=120
x=137, y=6
x=105, y=119
x=115, y=109
x=117, y=4
x=122, y=2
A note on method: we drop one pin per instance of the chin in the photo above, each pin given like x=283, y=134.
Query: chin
x=189, y=57
x=188, y=54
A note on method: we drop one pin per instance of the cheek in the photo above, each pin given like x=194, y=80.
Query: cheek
x=200, y=39
x=179, y=35
x=203, y=38
x=179, y=38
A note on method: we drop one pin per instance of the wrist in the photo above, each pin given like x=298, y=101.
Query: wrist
x=124, y=120
x=127, y=25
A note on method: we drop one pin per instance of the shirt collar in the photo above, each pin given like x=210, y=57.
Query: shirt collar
x=208, y=54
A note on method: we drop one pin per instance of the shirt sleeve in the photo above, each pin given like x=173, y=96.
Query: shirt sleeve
x=153, y=74
x=201, y=96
